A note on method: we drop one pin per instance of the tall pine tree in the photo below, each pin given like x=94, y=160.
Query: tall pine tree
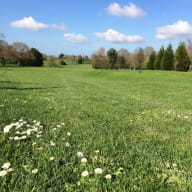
x=150, y=63
x=167, y=61
x=112, y=56
x=182, y=60
x=157, y=64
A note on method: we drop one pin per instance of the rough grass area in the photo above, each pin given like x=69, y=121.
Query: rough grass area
x=136, y=127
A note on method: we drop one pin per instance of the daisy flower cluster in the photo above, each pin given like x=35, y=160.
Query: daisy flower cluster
x=6, y=168
x=21, y=130
x=179, y=115
x=46, y=147
x=97, y=170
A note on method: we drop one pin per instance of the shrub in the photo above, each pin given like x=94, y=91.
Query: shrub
x=51, y=62
x=63, y=63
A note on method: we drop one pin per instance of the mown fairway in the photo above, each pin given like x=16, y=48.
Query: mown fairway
x=136, y=127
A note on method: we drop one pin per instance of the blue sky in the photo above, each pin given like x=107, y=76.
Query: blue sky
x=83, y=26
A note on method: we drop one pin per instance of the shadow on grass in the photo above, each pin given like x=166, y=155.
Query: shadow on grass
x=29, y=88
x=6, y=85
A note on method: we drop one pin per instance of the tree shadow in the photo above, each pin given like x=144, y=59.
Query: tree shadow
x=29, y=88
x=12, y=82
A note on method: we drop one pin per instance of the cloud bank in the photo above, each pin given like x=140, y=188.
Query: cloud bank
x=114, y=36
x=130, y=10
x=178, y=29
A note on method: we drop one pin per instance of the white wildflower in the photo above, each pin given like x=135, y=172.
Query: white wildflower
x=108, y=176
x=28, y=132
x=7, y=128
x=67, y=144
x=3, y=173
x=68, y=133
x=52, y=158
x=34, y=171
x=23, y=137
x=6, y=165
x=16, y=138
x=84, y=173
x=98, y=171
x=23, y=133
x=84, y=160
x=80, y=154
x=52, y=143
x=10, y=170
x=174, y=165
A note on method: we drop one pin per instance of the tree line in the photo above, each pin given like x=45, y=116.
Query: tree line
x=20, y=54
x=164, y=59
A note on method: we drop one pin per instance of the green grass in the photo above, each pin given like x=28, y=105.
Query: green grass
x=140, y=123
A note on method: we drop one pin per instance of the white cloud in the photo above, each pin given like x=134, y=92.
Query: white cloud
x=75, y=38
x=116, y=37
x=130, y=10
x=178, y=29
x=31, y=24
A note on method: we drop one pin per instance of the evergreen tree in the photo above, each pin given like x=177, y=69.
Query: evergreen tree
x=157, y=64
x=150, y=63
x=80, y=59
x=167, y=61
x=112, y=56
x=38, y=57
x=182, y=60
x=61, y=55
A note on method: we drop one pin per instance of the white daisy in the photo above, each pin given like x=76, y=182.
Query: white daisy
x=52, y=158
x=6, y=165
x=34, y=171
x=3, y=173
x=84, y=160
x=98, y=171
x=108, y=176
x=80, y=154
x=84, y=173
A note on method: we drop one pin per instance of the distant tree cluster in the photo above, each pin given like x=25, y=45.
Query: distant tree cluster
x=121, y=59
x=145, y=58
x=20, y=54
x=166, y=59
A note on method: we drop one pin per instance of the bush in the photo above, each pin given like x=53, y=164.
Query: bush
x=51, y=62
x=63, y=63
x=99, y=62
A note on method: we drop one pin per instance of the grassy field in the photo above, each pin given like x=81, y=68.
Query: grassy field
x=58, y=123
